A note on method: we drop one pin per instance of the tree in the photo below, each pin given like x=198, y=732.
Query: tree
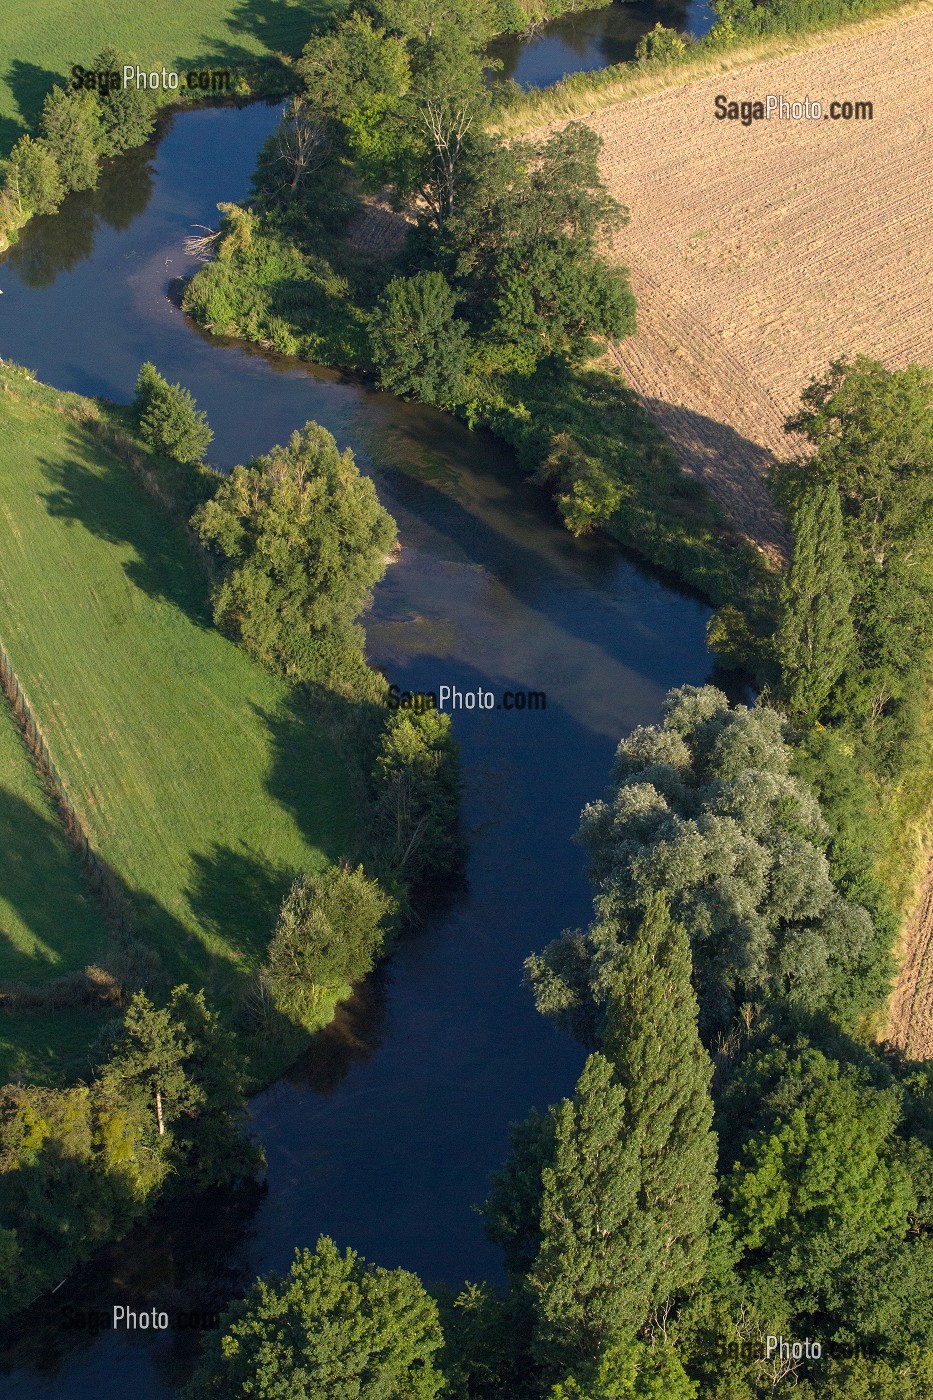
x=417, y=344
x=597, y=1266
x=305, y=539
x=169, y=420
x=523, y=248
x=706, y=813
x=32, y=177
x=330, y=931
x=872, y=431
x=652, y=1040
x=149, y=1059
x=356, y=78
x=631, y=1371
x=127, y=113
x=815, y=640
x=823, y=1179
x=416, y=800
x=179, y=1064
x=303, y=142
x=333, y=1326
x=71, y=126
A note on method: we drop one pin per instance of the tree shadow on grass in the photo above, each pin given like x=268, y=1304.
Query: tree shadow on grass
x=281, y=25
x=236, y=896
x=94, y=489
x=30, y=84
x=42, y=879
x=320, y=742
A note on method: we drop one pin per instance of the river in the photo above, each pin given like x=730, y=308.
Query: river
x=583, y=40
x=385, y=1134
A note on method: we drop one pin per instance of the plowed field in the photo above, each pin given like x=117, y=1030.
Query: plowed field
x=758, y=253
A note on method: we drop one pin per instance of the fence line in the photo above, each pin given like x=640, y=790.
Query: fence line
x=103, y=882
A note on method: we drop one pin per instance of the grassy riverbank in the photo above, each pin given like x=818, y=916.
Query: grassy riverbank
x=43, y=42
x=202, y=781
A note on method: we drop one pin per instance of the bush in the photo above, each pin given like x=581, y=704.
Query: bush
x=661, y=45
x=168, y=418
x=417, y=344
x=330, y=931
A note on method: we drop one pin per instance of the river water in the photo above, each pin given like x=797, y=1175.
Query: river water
x=583, y=40
x=384, y=1136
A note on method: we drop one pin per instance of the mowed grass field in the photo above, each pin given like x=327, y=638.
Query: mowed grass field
x=48, y=922
x=759, y=253
x=201, y=779
x=40, y=42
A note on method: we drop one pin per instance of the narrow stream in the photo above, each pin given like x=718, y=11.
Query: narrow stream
x=384, y=1136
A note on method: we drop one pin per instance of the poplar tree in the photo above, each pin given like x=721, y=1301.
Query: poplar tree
x=652, y=1040
x=597, y=1262
x=815, y=639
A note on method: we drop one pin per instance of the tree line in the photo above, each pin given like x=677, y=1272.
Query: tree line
x=77, y=131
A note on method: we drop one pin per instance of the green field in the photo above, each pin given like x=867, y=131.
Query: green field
x=201, y=779
x=41, y=41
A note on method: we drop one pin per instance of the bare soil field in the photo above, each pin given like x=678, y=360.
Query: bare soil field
x=910, y=1019
x=758, y=253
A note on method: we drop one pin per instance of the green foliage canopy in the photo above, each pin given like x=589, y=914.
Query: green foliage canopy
x=333, y=1326
x=169, y=420
x=305, y=539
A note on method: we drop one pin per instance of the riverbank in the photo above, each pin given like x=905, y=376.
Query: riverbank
x=582, y=94
x=179, y=755
x=736, y=312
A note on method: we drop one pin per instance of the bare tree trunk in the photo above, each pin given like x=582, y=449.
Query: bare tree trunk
x=159, y=1112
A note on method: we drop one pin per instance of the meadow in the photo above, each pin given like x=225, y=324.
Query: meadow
x=201, y=780
x=41, y=43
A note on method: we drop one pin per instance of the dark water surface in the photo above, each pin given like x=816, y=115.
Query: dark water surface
x=385, y=1135
x=584, y=40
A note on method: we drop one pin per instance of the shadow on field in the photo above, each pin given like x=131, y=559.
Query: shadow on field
x=236, y=896
x=42, y=879
x=309, y=776
x=29, y=85
x=732, y=467
x=280, y=24
x=95, y=491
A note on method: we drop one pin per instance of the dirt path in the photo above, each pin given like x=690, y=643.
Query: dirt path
x=760, y=252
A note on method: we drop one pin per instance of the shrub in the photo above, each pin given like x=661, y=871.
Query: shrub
x=417, y=344
x=330, y=931
x=168, y=418
x=661, y=45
